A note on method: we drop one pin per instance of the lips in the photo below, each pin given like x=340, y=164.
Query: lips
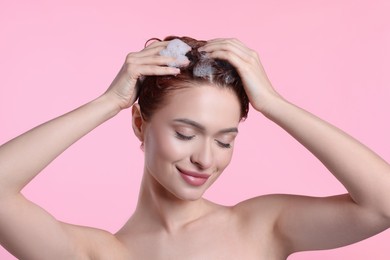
x=194, y=178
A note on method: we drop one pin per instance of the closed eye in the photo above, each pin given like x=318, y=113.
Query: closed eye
x=223, y=145
x=184, y=137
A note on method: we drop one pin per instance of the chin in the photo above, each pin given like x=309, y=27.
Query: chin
x=189, y=194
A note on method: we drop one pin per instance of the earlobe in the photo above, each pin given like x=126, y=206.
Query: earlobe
x=137, y=122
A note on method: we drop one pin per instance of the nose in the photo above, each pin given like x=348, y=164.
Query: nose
x=202, y=156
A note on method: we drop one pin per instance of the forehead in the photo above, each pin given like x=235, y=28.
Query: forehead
x=206, y=104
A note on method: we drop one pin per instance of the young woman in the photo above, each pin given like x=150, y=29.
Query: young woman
x=186, y=123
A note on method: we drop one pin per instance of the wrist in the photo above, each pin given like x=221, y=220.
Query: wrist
x=279, y=110
x=110, y=105
x=268, y=103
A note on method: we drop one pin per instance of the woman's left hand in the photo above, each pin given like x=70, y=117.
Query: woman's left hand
x=247, y=63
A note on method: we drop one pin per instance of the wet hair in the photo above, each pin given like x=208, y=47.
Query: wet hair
x=154, y=90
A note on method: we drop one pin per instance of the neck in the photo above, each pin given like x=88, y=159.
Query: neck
x=164, y=209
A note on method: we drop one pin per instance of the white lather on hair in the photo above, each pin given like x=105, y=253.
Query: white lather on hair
x=177, y=49
x=204, y=68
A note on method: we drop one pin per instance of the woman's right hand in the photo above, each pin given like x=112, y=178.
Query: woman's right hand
x=147, y=62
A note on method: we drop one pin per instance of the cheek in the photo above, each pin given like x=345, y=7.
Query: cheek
x=223, y=159
x=161, y=145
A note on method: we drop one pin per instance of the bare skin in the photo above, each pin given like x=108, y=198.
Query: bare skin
x=172, y=220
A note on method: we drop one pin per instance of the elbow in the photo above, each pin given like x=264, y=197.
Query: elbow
x=383, y=213
x=386, y=216
x=376, y=211
x=384, y=207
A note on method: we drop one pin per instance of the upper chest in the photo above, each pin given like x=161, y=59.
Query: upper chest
x=229, y=239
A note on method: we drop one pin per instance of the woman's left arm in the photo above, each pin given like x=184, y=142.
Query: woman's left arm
x=317, y=223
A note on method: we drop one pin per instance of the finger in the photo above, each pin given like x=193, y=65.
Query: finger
x=151, y=49
x=155, y=50
x=234, y=59
x=149, y=70
x=230, y=53
x=150, y=41
x=157, y=60
x=224, y=41
x=151, y=60
x=233, y=46
x=156, y=43
x=228, y=45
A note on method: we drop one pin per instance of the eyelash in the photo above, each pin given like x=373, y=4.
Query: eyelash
x=187, y=138
x=184, y=137
x=223, y=145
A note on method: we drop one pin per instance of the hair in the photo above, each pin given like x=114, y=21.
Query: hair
x=154, y=90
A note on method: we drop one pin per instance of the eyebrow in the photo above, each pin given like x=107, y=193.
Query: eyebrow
x=202, y=128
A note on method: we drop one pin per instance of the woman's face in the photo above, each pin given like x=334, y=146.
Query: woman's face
x=189, y=141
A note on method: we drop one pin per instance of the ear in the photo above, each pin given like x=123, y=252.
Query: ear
x=138, y=122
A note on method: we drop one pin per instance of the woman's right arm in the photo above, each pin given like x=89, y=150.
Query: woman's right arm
x=26, y=230
x=22, y=158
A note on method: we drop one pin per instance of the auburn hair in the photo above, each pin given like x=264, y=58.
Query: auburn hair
x=154, y=90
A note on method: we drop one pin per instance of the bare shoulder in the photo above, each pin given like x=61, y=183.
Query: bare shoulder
x=270, y=210
x=264, y=212
x=257, y=218
x=270, y=206
x=259, y=214
x=265, y=207
x=94, y=243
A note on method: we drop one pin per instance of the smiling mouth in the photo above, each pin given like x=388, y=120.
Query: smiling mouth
x=193, y=178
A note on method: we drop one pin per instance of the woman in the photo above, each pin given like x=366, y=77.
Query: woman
x=186, y=123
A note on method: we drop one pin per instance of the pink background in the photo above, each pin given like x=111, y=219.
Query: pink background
x=330, y=57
